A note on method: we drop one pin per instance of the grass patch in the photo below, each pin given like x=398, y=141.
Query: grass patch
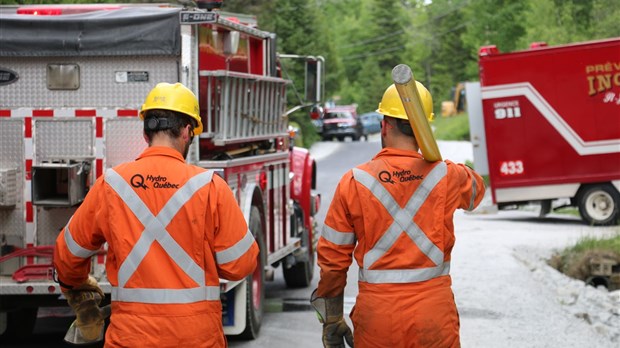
x=587, y=243
x=451, y=128
x=575, y=261
x=573, y=211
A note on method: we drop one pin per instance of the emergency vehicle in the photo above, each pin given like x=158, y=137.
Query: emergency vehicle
x=72, y=80
x=545, y=127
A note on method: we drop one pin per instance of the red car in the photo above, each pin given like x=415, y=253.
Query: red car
x=341, y=121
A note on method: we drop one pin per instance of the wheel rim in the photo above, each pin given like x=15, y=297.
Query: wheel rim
x=600, y=205
x=257, y=281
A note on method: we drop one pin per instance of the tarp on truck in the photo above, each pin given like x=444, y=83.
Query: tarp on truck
x=119, y=32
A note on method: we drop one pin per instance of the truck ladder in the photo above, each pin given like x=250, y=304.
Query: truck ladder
x=243, y=107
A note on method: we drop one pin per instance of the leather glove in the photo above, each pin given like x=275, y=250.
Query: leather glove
x=334, y=333
x=84, y=300
x=330, y=313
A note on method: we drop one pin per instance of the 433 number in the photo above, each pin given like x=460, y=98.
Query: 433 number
x=511, y=168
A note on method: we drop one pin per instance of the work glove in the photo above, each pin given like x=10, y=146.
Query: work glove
x=84, y=300
x=335, y=329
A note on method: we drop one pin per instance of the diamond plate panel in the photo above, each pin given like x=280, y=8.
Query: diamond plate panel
x=98, y=84
x=123, y=140
x=63, y=139
x=12, y=223
x=8, y=187
x=49, y=222
x=12, y=144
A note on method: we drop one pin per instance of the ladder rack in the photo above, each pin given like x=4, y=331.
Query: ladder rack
x=242, y=107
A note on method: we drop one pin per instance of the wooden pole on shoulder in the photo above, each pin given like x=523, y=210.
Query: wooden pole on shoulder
x=409, y=95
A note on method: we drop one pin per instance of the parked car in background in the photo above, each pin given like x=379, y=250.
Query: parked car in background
x=318, y=125
x=341, y=121
x=371, y=123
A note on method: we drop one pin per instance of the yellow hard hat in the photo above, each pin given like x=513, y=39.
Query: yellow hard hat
x=174, y=97
x=392, y=106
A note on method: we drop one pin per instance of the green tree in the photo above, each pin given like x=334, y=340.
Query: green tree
x=446, y=61
x=376, y=44
x=605, y=18
x=493, y=22
x=569, y=21
x=301, y=30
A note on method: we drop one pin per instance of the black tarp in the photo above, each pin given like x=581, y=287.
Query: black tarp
x=121, y=32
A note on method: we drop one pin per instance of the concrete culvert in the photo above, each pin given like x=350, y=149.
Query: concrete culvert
x=597, y=281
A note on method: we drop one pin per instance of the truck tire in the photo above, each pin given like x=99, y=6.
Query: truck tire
x=599, y=205
x=18, y=324
x=255, y=282
x=300, y=275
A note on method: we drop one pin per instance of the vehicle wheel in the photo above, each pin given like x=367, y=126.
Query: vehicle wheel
x=545, y=208
x=17, y=324
x=355, y=137
x=255, y=281
x=300, y=275
x=340, y=138
x=599, y=205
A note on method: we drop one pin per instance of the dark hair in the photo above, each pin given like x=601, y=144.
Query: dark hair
x=175, y=122
x=402, y=125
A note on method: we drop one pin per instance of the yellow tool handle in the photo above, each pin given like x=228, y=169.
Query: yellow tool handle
x=408, y=92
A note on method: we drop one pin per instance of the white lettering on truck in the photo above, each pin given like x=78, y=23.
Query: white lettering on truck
x=507, y=109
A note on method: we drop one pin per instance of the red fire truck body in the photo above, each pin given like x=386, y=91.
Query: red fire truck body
x=72, y=80
x=551, y=118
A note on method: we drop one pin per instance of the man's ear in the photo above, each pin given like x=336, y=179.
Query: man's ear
x=187, y=134
x=384, y=127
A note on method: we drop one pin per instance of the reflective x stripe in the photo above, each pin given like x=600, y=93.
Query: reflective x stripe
x=235, y=251
x=380, y=276
x=337, y=237
x=74, y=247
x=155, y=229
x=403, y=221
x=163, y=296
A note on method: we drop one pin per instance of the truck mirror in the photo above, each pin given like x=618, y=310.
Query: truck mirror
x=314, y=79
x=316, y=112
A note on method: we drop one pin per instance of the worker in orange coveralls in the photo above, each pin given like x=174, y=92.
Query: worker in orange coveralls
x=394, y=215
x=172, y=230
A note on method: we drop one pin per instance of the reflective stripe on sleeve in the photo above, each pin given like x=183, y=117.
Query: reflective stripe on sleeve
x=163, y=296
x=235, y=251
x=473, y=192
x=379, y=276
x=74, y=247
x=337, y=237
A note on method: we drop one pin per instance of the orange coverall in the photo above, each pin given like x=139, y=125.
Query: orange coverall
x=172, y=231
x=394, y=214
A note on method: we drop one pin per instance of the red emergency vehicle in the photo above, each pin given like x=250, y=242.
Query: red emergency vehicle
x=72, y=80
x=546, y=121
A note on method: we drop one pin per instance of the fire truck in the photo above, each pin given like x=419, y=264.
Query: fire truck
x=72, y=80
x=545, y=127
